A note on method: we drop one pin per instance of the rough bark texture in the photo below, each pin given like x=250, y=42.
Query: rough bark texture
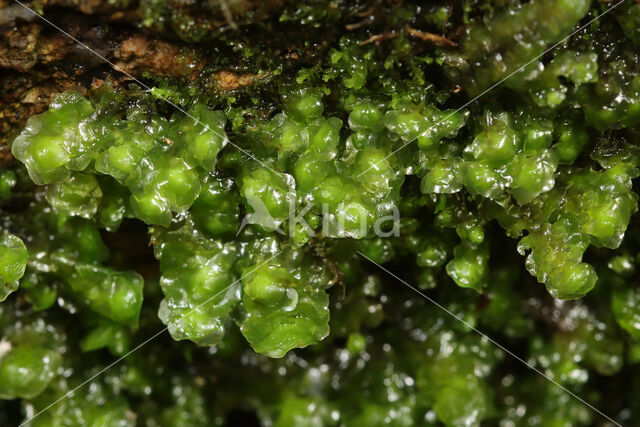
x=38, y=61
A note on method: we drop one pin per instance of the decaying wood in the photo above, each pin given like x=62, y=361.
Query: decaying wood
x=37, y=61
x=140, y=53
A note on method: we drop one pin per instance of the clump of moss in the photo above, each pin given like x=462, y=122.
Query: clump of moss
x=264, y=208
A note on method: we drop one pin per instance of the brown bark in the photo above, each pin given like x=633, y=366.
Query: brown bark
x=37, y=61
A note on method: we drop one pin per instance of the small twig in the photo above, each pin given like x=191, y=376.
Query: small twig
x=367, y=12
x=430, y=37
x=367, y=21
x=376, y=38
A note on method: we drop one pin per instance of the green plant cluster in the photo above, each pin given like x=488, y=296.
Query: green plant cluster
x=246, y=224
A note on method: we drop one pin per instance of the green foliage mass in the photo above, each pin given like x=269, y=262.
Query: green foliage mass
x=243, y=223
